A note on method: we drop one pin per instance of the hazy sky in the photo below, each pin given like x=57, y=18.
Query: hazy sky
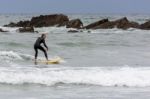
x=74, y=6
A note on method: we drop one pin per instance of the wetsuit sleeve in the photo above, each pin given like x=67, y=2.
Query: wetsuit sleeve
x=45, y=44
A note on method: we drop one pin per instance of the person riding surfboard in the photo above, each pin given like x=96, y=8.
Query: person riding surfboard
x=37, y=45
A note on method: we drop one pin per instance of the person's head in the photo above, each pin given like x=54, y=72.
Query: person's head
x=43, y=36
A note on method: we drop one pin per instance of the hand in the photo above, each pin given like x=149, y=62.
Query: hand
x=46, y=49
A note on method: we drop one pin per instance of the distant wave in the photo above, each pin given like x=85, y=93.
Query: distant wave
x=131, y=77
x=9, y=55
x=12, y=55
x=65, y=30
x=10, y=29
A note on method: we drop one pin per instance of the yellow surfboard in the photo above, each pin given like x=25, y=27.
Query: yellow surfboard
x=55, y=60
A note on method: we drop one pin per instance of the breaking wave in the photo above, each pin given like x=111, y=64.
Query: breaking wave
x=131, y=77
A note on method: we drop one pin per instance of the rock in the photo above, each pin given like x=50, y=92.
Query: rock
x=26, y=29
x=122, y=23
x=73, y=31
x=42, y=21
x=19, y=24
x=106, y=25
x=48, y=20
x=11, y=24
x=76, y=23
x=1, y=30
x=96, y=24
x=145, y=26
x=63, y=20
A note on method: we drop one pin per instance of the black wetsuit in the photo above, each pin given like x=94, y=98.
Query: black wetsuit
x=37, y=46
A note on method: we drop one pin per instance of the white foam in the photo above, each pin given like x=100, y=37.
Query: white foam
x=9, y=55
x=52, y=29
x=55, y=29
x=10, y=29
x=26, y=56
x=132, y=77
x=117, y=31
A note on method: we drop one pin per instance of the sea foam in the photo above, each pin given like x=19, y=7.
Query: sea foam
x=127, y=76
x=9, y=55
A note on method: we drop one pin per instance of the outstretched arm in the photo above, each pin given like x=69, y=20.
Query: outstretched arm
x=45, y=44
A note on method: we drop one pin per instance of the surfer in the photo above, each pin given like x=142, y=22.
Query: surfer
x=37, y=45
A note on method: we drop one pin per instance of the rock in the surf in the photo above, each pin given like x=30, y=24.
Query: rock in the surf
x=42, y=21
x=96, y=24
x=26, y=29
x=122, y=23
x=1, y=30
x=76, y=23
x=73, y=31
x=145, y=26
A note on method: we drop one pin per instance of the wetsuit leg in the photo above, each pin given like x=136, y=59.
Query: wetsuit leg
x=36, y=52
x=42, y=49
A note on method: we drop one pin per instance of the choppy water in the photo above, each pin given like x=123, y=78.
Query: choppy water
x=100, y=64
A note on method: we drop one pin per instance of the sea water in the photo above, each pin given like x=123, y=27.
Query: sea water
x=98, y=64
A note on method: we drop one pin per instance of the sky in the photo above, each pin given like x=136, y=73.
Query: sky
x=75, y=6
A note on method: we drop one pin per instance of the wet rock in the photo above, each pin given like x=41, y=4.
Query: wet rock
x=106, y=25
x=26, y=29
x=73, y=31
x=1, y=30
x=19, y=24
x=76, y=23
x=11, y=24
x=96, y=24
x=42, y=21
x=122, y=23
x=145, y=26
x=48, y=20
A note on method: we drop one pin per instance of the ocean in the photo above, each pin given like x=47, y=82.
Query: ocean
x=98, y=64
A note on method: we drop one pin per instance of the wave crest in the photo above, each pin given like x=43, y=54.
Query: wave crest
x=132, y=77
x=9, y=55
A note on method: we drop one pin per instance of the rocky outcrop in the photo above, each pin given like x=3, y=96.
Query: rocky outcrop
x=19, y=24
x=73, y=31
x=42, y=21
x=145, y=26
x=63, y=20
x=1, y=30
x=26, y=29
x=96, y=24
x=48, y=20
x=76, y=23
x=122, y=23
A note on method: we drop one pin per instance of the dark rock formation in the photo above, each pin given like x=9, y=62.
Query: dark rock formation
x=42, y=21
x=63, y=20
x=122, y=23
x=48, y=20
x=73, y=31
x=145, y=26
x=106, y=25
x=1, y=30
x=96, y=24
x=19, y=24
x=26, y=29
x=11, y=24
x=76, y=23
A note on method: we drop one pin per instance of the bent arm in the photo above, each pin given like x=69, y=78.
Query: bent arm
x=45, y=44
